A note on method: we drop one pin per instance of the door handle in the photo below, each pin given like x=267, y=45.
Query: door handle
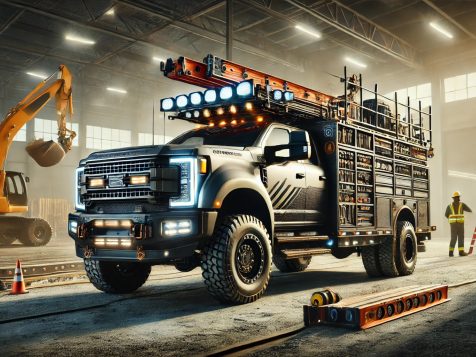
x=322, y=178
x=300, y=175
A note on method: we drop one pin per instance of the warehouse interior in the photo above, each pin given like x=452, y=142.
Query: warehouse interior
x=423, y=49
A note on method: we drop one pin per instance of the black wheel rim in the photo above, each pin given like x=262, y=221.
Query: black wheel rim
x=249, y=258
x=409, y=248
x=127, y=270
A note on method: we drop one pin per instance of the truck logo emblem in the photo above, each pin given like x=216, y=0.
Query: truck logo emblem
x=328, y=131
x=116, y=181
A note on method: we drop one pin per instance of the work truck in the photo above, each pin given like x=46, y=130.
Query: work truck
x=274, y=173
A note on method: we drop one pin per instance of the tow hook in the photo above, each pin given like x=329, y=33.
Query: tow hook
x=88, y=252
x=140, y=253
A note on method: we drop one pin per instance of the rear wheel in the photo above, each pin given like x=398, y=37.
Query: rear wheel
x=236, y=262
x=371, y=260
x=291, y=265
x=112, y=277
x=35, y=232
x=407, y=248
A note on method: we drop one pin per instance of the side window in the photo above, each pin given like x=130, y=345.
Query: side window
x=19, y=185
x=278, y=136
x=11, y=185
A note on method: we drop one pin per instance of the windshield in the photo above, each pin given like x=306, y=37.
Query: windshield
x=239, y=135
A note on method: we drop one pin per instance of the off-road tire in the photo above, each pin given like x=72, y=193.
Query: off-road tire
x=371, y=261
x=387, y=257
x=291, y=265
x=35, y=232
x=116, y=278
x=224, y=263
x=407, y=248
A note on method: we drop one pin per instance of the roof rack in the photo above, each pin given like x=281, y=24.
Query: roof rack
x=372, y=114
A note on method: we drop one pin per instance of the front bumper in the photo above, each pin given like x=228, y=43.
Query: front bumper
x=143, y=238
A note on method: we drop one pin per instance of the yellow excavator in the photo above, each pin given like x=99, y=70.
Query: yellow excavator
x=13, y=190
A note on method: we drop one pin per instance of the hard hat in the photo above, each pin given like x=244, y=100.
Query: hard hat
x=456, y=194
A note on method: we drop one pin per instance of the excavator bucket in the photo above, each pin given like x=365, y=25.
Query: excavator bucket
x=45, y=153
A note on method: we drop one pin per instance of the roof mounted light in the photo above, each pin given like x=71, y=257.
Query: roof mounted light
x=288, y=96
x=167, y=104
x=277, y=95
x=244, y=89
x=181, y=101
x=210, y=96
x=196, y=98
x=226, y=93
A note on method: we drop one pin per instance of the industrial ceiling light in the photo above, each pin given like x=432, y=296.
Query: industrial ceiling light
x=78, y=39
x=355, y=62
x=117, y=90
x=110, y=12
x=440, y=29
x=157, y=59
x=38, y=75
x=309, y=32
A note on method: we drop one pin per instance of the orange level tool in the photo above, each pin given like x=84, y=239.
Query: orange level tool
x=472, y=243
x=371, y=310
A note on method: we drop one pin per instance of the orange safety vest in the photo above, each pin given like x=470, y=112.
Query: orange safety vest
x=458, y=217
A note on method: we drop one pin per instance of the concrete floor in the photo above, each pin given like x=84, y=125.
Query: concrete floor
x=174, y=315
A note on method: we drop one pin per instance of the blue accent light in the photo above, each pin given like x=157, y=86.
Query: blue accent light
x=277, y=95
x=167, y=104
x=244, y=89
x=226, y=93
x=210, y=96
x=196, y=98
x=182, y=101
x=288, y=96
x=330, y=242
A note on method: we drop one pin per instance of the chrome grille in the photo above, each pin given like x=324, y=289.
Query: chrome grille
x=119, y=167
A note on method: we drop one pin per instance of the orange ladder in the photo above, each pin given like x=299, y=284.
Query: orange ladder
x=217, y=72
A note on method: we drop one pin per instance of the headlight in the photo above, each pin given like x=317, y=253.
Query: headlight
x=79, y=204
x=188, y=182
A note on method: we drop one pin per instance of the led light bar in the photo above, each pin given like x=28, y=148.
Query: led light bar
x=167, y=104
x=226, y=93
x=441, y=30
x=210, y=96
x=181, y=101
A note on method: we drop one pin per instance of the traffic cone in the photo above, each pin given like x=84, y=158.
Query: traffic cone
x=472, y=243
x=18, y=286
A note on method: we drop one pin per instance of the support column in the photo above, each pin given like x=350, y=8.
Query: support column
x=229, y=30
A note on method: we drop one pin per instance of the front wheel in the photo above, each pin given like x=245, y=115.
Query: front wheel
x=112, y=277
x=236, y=263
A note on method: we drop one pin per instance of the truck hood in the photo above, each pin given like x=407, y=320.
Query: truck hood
x=135, y=152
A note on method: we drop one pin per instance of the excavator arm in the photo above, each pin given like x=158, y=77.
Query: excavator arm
x=49, y=153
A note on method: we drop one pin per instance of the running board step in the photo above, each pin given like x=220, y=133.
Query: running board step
x=300, y=239
x=367, y=311
x=299, y=253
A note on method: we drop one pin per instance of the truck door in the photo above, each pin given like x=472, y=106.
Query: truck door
x=316, y=193
x=286, y=182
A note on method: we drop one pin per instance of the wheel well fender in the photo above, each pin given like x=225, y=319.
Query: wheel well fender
x=404, y=214
x=248, y=201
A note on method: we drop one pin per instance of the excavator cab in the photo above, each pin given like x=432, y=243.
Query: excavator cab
x=15, y=189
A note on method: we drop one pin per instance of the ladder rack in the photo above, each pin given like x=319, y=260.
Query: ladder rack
x=216, y=72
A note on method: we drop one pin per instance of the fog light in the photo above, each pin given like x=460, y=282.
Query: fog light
x=173, y=228
x=139, y=180
x=96, y=182
x=73, y=227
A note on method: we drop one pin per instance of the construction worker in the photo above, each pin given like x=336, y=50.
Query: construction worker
x=455, y=214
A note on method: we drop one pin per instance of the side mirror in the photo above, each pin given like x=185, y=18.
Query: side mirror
x=298, y=148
